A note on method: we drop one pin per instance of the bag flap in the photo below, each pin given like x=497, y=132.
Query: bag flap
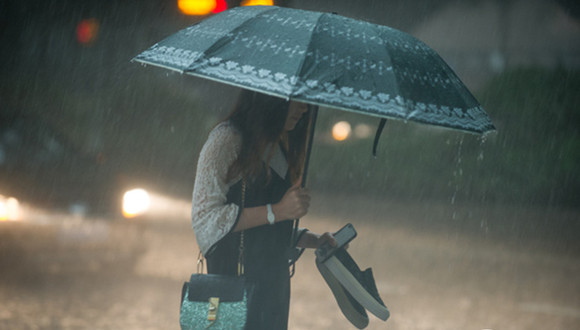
x=227, y=288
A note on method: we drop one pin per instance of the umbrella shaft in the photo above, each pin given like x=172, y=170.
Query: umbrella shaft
x=313, y=116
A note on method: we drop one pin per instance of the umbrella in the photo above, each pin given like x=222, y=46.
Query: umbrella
x=324, y=59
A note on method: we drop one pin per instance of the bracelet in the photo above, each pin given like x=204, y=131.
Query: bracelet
x=271, y=216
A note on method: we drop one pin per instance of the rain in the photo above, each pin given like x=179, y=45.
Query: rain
x=462, y=231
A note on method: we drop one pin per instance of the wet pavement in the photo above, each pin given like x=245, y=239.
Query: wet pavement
x=119, y=274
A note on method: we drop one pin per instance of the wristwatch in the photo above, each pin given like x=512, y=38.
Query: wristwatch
x=271, y=216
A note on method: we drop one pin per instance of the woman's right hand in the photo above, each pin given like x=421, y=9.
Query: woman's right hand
x=294, y=204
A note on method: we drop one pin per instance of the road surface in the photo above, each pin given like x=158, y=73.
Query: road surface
x=70, y=273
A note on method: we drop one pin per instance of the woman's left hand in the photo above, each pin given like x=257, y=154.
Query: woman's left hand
x=326, y=238
x=314, y=241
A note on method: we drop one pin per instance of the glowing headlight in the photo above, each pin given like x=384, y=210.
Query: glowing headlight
x=9, y=209
x=135, y=202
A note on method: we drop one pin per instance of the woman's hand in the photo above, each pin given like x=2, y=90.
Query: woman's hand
x=312, y=240
x=294, y=204
x=326, y=238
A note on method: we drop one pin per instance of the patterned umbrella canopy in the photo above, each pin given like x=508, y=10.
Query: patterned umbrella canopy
x=323, y=59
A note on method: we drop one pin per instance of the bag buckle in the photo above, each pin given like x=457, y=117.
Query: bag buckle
x=213, y=309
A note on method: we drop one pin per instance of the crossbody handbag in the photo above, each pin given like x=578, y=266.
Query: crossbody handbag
x=213, y=301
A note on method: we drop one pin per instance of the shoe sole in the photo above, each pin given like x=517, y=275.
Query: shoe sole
x=351, y=284
x=348, y=310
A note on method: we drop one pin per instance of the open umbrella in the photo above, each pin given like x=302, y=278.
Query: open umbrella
x=323, y=59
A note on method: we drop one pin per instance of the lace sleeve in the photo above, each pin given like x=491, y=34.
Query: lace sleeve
x=212, y=218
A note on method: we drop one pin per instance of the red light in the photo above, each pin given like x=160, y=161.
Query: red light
x=221, y=5
x=87, y=31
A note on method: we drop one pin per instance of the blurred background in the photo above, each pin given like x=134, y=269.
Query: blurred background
x=98, y=156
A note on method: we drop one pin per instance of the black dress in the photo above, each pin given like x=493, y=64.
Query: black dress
x=266, y=254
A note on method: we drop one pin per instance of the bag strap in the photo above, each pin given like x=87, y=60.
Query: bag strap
x=200, y=257
x=241, y=253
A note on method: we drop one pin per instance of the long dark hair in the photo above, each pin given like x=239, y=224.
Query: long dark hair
x=260, y=119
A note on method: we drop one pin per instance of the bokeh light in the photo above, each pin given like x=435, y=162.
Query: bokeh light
x=362, y=131
x=9, y=209
x=206, y=7
x=87, y=31
x=197, y=7
x=135, y=202
x=258, y=3
x=341, y=130
x=221, y=5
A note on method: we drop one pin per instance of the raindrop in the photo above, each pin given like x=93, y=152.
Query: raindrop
x=484, y=225
x=458, y=172
x=459, y=156
x=483, y=138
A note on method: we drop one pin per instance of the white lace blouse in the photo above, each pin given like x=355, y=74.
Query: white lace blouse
x=212, y=218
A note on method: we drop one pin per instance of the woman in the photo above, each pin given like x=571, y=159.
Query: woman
x=263, y=142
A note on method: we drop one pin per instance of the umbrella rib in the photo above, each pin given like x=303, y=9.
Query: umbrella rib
x=301, y=66
x=220, y=42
